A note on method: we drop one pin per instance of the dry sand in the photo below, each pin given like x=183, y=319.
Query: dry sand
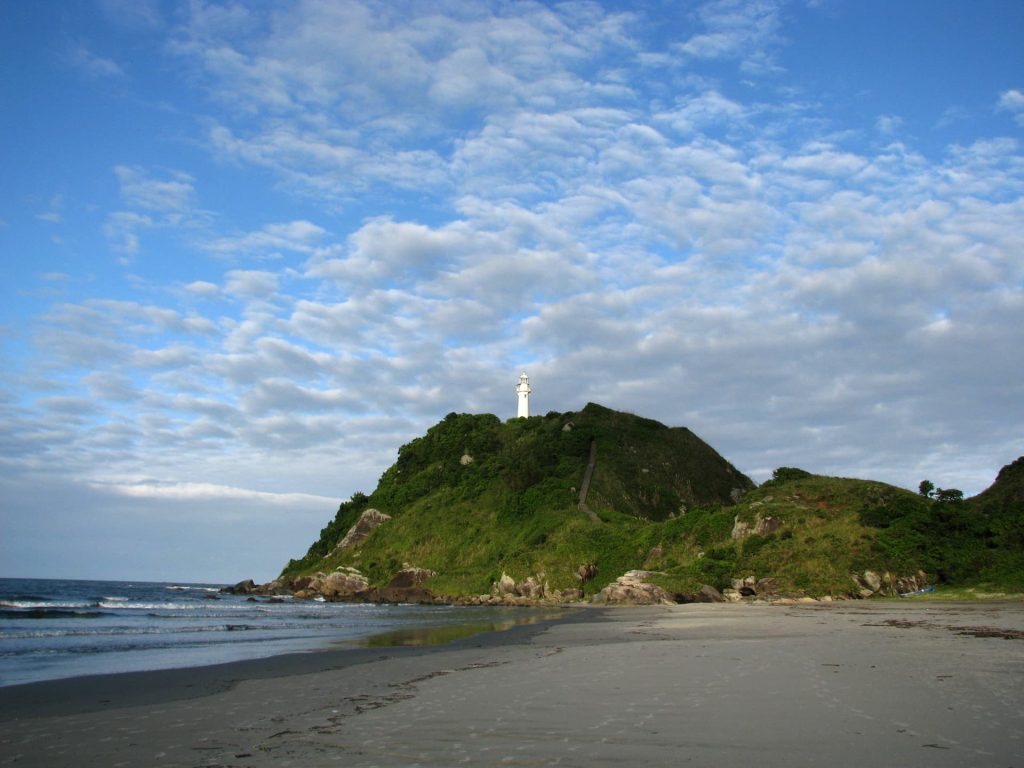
x=842, y=684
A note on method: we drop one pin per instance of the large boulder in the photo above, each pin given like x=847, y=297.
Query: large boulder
x=246, y=587
x=367, y=523
x=766, y=587
x=708, y=594
x=406, y=586
x=343, y=584
x=410, y=576
x=506, y=585
x=632, y=588
x=531, y=589
x=417, y=595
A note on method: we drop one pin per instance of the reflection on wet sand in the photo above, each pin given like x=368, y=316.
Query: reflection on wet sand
x=447, y=634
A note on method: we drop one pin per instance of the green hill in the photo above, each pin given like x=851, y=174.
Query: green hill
x=476, y=497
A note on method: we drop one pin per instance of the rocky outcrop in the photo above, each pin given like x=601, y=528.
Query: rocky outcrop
x=533, y=590
x=762, y=526
x=871, y=583
x=367, y=523
x=247, y=587
x=708, y=594
x=342, y=584
x=632, y=588
x=766, y=587
x=410, y=576
x=406, y=586
x=506, y=585
x=751, y=586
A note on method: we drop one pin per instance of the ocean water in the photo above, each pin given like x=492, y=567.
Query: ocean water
x=53, y=628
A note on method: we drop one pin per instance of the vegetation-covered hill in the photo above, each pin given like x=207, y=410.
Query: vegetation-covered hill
x=476, y=497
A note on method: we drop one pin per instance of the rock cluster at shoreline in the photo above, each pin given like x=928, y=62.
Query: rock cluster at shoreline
x=637, y=587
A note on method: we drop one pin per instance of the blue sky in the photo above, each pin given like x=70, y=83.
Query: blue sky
x=252, y=248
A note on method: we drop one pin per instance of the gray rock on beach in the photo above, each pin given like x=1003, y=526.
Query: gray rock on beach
x=632, y=588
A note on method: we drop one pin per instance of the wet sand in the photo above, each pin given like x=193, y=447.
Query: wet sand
x=841, y=684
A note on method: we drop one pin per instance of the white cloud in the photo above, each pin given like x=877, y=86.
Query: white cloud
x=122, y=230
x=251, y=283
x=134, y=15
x=171, y=196
x=889, y=124
x=268, y=242
x=746, y=30
x=203, y=288
x=182, y=491
x=92, y=65
x=1012, y=101
x=154, y=203
x=54, y=212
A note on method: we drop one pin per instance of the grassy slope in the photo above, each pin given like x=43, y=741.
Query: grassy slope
x=513, y=509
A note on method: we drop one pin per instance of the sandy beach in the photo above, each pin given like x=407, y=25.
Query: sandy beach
x=840, y=684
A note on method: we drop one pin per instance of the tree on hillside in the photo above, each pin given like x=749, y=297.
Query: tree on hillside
x=925, y=488
x=948, y=495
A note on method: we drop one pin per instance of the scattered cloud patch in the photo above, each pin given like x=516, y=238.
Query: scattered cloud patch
x=91, y=64
x=1012, y=101
x=172, y=196
x=353, y=218
x=737, y=29
x=133, y=15
x=271, y=240
x=251, y=283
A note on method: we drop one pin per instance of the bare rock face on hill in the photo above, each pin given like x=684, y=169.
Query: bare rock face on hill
x=762, y=526
x=369, y=521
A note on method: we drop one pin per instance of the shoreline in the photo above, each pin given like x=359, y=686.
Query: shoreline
x=855, y=683
x=85, y=694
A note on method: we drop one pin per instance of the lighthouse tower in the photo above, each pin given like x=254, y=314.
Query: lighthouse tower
x=523, y=390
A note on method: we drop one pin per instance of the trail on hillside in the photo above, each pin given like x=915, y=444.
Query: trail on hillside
x=585, y=487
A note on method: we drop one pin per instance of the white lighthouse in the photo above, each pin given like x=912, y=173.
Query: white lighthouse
x=523, y=390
